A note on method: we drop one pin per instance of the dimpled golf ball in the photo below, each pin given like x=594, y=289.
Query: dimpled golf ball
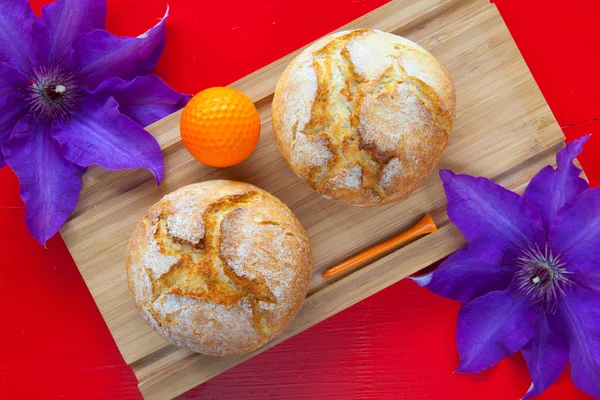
x=220, y=126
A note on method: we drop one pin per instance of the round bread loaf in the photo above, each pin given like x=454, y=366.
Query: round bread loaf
x=219, y=267
x=363, y=116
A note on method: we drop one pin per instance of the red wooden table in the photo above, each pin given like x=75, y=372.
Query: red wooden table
x=397, y=344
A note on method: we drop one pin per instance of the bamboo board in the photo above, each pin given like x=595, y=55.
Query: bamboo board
x=504, y=130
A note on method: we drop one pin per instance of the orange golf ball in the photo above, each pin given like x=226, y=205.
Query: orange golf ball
x=220, y=126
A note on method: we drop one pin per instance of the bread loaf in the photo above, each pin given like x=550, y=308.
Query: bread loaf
x=219, y=267
x=363, y=116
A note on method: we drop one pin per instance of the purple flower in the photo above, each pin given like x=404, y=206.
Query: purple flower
x=530, y=274
x=73, y=95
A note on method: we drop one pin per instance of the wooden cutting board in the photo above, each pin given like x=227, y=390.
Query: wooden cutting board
x=504, y=130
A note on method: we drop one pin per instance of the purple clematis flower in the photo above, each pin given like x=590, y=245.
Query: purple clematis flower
x=73, y=95
x=530, y=274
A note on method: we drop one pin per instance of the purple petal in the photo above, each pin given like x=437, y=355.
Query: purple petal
x=462, y=277
x=50, y=184
x=102, y=55
x=580, y=312
x=494, y=220
x=576, y=232
x=100, y=134
x=12, y=80
x=12, y=108
x=62, y=22
x=546, y=355
x=12, y=104
x=550, y=189
x=492, y=327
x=16, y=46
x=145, y=100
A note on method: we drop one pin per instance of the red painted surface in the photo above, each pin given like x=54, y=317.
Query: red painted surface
x=397, y=344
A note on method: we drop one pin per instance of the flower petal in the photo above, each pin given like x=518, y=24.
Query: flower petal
x=462, y=277
x=580, y=311
x=12, y=108
x=492, y=327
x=100, y=134
x=12, y=80
x=50, y=184
x=494, y=220
x=16, y=46
x=550, y=189
x=145, y=99
x=63, y=21
x=102, y=55
x=12, y=104
x=546, y=355
x=576, y=231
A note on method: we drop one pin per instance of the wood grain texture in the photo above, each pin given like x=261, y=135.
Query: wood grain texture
x=503, y=125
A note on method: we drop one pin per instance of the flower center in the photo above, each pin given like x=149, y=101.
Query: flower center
x=541, y=276
x=53, y=92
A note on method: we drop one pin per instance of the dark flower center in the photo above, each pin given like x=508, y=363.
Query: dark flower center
x=53, y=92
x=541, y=276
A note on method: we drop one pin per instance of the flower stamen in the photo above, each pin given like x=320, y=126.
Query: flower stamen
x=541, y=276
x=53, y=92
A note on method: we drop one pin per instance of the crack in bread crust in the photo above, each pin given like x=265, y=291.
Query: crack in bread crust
x=202, y=272
x=338, y=116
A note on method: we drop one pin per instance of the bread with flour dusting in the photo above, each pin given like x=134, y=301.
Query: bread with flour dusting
x=219, y=267
x=363, y=116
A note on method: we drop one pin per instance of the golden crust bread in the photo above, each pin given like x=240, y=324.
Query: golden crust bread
x=363, y=116
x=219, y=267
